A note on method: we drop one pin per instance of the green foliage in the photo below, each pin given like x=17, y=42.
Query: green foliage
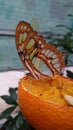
x=64, y=41
x=71, y=15
x=70, y=74
x=12, y=98
x=7, y=112
x=16, y=122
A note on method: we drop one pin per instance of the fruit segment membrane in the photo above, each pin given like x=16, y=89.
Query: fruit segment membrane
x=57, y=90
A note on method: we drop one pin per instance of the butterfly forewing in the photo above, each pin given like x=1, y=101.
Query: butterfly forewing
x=40, y=58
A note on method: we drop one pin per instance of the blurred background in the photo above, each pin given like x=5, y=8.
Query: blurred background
x=51, y=18
x=44, y=16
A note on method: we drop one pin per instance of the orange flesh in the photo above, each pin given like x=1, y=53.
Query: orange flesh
x=51, y=90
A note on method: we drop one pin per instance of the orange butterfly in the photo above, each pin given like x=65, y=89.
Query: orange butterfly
x=40, y=58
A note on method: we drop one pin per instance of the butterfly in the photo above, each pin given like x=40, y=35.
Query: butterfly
x=40, y=58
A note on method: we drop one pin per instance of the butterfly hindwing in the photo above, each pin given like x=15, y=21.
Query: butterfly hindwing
x=40, y=58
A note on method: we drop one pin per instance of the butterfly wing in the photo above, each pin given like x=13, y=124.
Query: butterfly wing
x=40, y=58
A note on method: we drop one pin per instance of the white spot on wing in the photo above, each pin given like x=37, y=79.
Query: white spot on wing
x=43, y=51
x=40, y=42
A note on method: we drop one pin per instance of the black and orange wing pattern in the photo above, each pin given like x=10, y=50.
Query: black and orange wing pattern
x=40, y=58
